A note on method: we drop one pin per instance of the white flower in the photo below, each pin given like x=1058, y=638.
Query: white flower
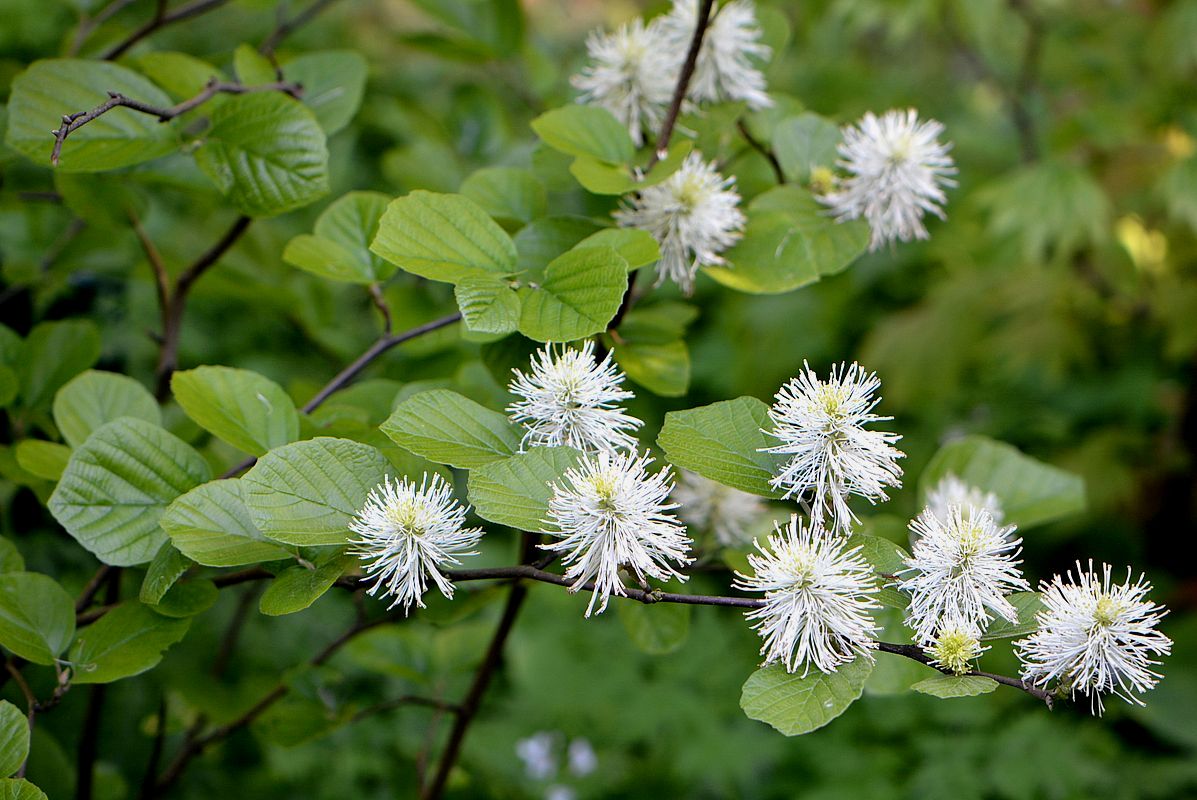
x=898, y=170
x=610, y=513
x=960, y=569
x=725, y=69
x=538, y=754
x=693, y=214
x=817, y=598
x=1095, y=637
x=407, y=534
x=821, y=424
x=570, y=399
x=709, y=505
x=631, y=74
x=951, y=491
x=956, y=647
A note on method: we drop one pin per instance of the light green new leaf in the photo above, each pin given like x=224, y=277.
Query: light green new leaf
x=512, y=196
x=19, y=789
x=339, y=246
x=126, y=641
x=443, y=237
x=245, y=409
x=306, y=493
x=1028, y=605
x=333, y=82
x=43, y=459
x=181, y=75
x=14, y=738
x=585, y=131
x=211, y=526
x=167, y=567
x=656, y=629
x=10, y=557
x=37, y=616
x=723, y=442
x=251, y=66
x=600, y=177
x=266, y=153
x=447, y=428
x=804, y=142
x=116, y=486
x=580, y=293
x=662, y=368
x=488, y=304
x=296, y=588
x=638, y=247
x=1031, y=492
x=93, y=398
x=516, y=491
x=49, y=89
x=947, y=686
x=795, y=704
x=54, y=353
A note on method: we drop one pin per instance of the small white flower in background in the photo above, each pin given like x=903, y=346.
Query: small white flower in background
x=538, y=754
x=818, y=595
x=725, y=69
x=407, y=534
x=560, y=793
x=569, y=398
x=1095, y=636
x=705, y=504
x=821, y=424
x=611, y=513
x=631, y=74
x=898, y=170
x=694, y=216
x=960, y=569
x=582, y=758
x=956, y=647
x=951, y=491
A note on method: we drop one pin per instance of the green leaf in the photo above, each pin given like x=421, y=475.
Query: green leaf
x=600, y=177
x=886, y=558
x=54, y=353
x=187, y=599
x=544, y=239
x=116, y=486
x=296, y=588
x=252, y=67
x=19, y=789
x=581, y=291
x=797, y=704
x=211, y=526
x=803, y=143
x=443, y=237
x=656, y=629
x=947, y=686
x=512, y=196
x=181, y=75
x=448, y=428
x=723, y=442
x=585, y=131
x=307, y=492
x=662, y=368
x=266, y=153
x=333, y=82
x=126, y=641
x=14, y=738
x=49, y=89
x=638, y=247
x=1031, y=492
x=93, y=398
x=37, y=616
x=10, y=385
x=245, y=409
x=10, y=557
x=1028, y=604
x=43, y=459
x=339, y=246
x=488, y=304
x=516, y=491
x=167, y=567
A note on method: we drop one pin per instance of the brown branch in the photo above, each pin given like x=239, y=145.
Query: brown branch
x=214, y=86
x=380, y=302
x=89, y=737
x=406, y=700
x=161, y=19
x=146, y=791
x=683, y=84
x=92, y=587
x=286, y=27
x=88, y=24
x=30, y=704
x=915, y=653
x=759, y=146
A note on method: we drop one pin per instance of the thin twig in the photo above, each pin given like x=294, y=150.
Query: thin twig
x=760, y=147
x=150, y=775
x=30, y=704
x=92, y=587
x=161, y=19
x=88, y=24
x=380, y=302
x=915, y=653
x=286, y=27
x=683, y=84
x=406, y=700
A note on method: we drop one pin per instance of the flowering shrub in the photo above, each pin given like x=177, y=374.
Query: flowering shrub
x=488, y=394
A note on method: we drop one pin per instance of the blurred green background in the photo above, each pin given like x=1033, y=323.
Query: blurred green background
x=1056, y=309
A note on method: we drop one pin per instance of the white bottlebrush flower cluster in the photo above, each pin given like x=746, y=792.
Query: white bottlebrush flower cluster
x=693, y=214
x=610, y=513
x=570, y=398
x=1095, y=636
x=821, y=425
x=407, y=534
x=961, y=570
x=897, y=171
x=633, y=71
x=705, y=504
x=956, y=647
x=818, y=598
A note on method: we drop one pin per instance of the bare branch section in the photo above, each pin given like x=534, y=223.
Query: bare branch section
x=73, y=122
x=288, y=26
x=161, y=19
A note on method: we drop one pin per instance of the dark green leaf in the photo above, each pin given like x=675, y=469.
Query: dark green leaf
x=37, y=616
x=126, y=641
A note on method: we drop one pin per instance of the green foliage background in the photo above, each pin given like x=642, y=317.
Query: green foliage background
x=1056, y=309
